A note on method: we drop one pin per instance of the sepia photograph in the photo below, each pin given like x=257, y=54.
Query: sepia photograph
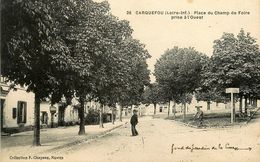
x=130, y=81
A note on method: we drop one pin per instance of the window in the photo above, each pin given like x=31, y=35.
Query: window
x=22, y=112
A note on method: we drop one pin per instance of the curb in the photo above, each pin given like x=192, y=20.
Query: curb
x=196, y=127
x=86, y=140
x=185, y=124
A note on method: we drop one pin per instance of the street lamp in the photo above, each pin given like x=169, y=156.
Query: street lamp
x=53, y=110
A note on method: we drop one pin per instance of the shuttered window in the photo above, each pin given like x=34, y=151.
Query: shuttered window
x=21, y=112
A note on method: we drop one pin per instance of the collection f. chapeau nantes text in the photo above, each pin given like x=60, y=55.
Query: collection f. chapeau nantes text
x=188, y=14
x=34, y=158
x=192, y=148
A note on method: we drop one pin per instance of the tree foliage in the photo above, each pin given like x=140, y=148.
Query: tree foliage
x=152, y=94
x=30, y=47
x=235, y=63
x=178, y=71
x=71, y=48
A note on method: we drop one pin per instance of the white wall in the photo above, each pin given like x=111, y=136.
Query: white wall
x=11, y=100
x=71, y=114
x=45, y=106
x=190, y=107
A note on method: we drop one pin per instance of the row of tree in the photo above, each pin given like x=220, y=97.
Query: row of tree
x=183, y=72
x=71, y=48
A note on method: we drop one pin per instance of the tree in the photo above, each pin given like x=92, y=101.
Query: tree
x=69, y=48
x=128, y=75
x=93, y=35
x=98, y=43
x=235, y=63
x=178, y=72
x=136, y=73
x=152, y=95
x=111, y=68
x=29, y=50
x=55, y=48
x=205, y=96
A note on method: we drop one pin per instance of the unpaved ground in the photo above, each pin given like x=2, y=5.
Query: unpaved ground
x=157, y=136
x=162, y=140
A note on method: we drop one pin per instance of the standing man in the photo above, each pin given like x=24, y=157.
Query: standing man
x=134, y=121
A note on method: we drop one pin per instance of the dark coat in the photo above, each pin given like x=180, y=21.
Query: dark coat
x=134, y=119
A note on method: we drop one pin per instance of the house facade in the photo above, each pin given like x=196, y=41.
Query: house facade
x=17, y=110
x=16, y=107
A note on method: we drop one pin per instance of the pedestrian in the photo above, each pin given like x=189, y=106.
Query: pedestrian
x=134, y=121
x=199, y=116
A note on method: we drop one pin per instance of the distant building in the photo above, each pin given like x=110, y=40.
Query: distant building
x=162, y=108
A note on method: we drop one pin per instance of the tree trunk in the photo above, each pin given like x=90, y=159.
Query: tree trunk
x=217, y=104
x=208, y=105
x=184, y=111
x=112, y=116
x=36, y=140
x=81, y=117
x=246, y=104
x=169, y=108
x=250, y=100
x=174, y=109
x=234, y=109
x=132, y=110
x=154, y=106
x=101, y=117
x=240, y=102
x=52, y=120
x=126, y=112
x=254, y=102
x=120, y=112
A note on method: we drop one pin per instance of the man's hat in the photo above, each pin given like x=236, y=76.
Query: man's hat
x=198, y=107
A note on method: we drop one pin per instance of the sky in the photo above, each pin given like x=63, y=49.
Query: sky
x=160, y=32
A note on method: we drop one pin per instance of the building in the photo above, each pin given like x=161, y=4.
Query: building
x=16, y=107
x=17, y=110
x=162, y=108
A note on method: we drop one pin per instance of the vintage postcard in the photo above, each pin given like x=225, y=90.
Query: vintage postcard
x=130, y=81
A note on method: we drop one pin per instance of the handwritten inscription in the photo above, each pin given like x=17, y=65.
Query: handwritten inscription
x=193, y=147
